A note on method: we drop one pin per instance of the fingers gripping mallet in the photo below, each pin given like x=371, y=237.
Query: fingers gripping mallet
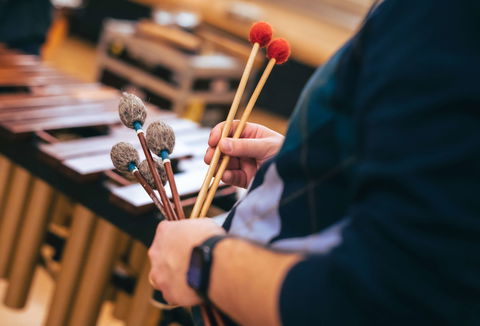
x=278, y=52
x=260, y=36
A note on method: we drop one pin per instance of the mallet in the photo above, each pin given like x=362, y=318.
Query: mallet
x=260, y=36
x=161, y=140
x=278, y=52
x=147, y=175
x=145, y=172
x=133, y=114
x=125, y=159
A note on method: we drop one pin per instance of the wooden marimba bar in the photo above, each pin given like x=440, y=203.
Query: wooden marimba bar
x=55, y=136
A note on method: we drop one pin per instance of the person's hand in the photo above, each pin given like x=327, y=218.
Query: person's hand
x=256, y=145
x=170, y=256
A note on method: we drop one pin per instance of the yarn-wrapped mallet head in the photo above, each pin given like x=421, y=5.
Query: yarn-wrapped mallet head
x=160, y=139
x=132, y=111
x=145, y=171
x=279, y=50
x=261, y=33
x=124, y=157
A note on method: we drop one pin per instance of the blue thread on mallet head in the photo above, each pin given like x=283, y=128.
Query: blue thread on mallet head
x=132, y=166
x=137, y=125
x=164, y=154
x=124, y=156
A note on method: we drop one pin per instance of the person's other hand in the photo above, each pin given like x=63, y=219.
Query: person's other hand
x=256, y=145
x=170, y=256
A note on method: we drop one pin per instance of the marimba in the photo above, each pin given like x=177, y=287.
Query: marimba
x=55, y=136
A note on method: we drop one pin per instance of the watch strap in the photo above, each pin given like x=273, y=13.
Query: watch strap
x=213, y=241
x=207, y=247
x=210, y=243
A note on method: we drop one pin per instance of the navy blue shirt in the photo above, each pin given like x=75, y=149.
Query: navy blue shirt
x=378, y=181
x=24, y=23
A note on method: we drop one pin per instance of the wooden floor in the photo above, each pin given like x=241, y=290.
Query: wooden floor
x=79, y=59
x=34, y=313
x=75, y=57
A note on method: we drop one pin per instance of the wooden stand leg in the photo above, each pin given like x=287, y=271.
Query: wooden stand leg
x=122, y=305
x=12, y=218
x=29, y=243
x=5, y=173
x=96, y=275
x=141, y=309
x=137, y=257
x=73, y=259
x=135, y=261
x=62, y=209
x=121, y=299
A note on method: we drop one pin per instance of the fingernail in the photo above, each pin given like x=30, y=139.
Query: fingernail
x=226, y=145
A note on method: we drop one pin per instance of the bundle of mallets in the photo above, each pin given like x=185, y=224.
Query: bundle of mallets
x=160, y=140
x=278, y=52
x=151, y=173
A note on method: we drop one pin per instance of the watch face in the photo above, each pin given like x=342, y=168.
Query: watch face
x=194, y=275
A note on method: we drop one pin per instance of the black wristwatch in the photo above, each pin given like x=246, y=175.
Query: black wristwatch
x=201, y=260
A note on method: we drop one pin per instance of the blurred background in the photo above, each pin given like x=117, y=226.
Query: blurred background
x=184, y=56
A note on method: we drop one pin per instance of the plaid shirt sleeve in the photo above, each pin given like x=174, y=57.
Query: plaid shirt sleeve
x=410, y=252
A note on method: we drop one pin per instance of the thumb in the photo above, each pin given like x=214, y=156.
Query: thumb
x=248, y=148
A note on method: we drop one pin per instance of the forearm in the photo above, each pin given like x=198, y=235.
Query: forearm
x=246, y=281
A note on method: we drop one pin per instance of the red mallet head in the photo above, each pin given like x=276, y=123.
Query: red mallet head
x=261, y=33
x=279, y=50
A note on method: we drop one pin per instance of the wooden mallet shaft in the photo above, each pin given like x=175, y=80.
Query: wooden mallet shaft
x=238, y=132
x=278, y=52
x=141, y=180
x=170, y=215
x=173, y=188
x=225, y=132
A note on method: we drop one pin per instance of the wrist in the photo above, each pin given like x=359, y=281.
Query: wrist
x=200, y=266
x=245, y=278
x=223, y=250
